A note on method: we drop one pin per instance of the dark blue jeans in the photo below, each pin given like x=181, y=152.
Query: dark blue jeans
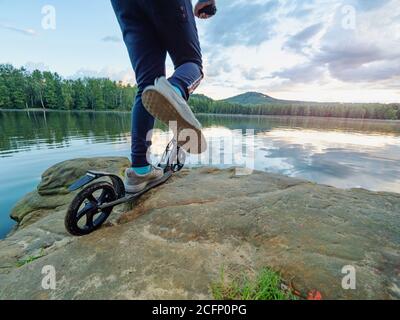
x=151, y=29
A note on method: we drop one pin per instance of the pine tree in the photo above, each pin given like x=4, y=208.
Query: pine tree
x=38, y=87
x=50, y=90
x=68, y=94
x=5, y=101
x=17, y=88
x=79, y=95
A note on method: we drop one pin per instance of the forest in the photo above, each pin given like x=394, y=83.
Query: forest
x=20, y=89
x=203, y=104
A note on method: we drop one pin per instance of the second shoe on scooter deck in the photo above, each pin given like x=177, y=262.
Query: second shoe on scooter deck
x=135, y=182
x=164, y=103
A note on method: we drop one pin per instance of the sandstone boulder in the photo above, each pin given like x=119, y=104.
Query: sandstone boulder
x=174, y=241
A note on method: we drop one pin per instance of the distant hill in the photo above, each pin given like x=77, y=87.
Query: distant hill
x=254, y=103
x=201, y=96
x=256, y=98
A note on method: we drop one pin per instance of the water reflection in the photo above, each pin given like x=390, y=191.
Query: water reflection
x=342, y=159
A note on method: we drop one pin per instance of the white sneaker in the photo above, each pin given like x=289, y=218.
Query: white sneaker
x=164, y=103
x=135, y=183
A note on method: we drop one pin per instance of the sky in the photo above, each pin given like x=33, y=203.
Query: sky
x=312, y=50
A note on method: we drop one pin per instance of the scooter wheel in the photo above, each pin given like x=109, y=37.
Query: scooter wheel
x=84, y=215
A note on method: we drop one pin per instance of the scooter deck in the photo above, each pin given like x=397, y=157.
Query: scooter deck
x=133, y=196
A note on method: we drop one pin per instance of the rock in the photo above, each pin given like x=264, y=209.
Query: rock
x=33, y=206
x=52, y=191
x=58, y=178
x=177, y=238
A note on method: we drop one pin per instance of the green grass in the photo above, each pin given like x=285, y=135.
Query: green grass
x=30, y=259
x=266, y=285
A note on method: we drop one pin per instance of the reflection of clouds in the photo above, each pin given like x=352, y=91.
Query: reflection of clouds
x=160, y=139
x=322, y=140
x=341, y=159
x=269, y=158
x=226, y=148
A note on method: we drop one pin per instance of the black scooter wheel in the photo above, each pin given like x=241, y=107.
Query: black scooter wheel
x=84, y=215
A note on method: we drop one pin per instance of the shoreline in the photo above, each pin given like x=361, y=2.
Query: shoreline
x=207, y=114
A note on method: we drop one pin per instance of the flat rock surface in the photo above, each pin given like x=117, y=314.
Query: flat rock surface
x=174, y=241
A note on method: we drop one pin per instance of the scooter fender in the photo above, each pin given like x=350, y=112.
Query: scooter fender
x=94, y=175
x=83, y=181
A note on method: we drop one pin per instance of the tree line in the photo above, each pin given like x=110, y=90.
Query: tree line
x=20, y=89
x=203, y=104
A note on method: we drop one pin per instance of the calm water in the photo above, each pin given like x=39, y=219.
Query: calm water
x=342, y=153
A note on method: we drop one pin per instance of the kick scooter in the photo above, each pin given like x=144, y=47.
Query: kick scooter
x=92, y=205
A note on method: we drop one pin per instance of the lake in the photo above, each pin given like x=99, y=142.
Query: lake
x=338, y=152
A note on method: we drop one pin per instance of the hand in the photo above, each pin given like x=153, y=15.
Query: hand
x=201, y=5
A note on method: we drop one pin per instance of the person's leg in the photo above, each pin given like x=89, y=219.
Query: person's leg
x=177, y=28
x=147, y=56
x=187, y=78
x=167, y=99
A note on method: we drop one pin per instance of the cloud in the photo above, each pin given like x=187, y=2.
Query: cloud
x=251, y=74
x=217, y=64
x=244, y=23
x=27, y=32
x=32, y=66
x=299, y=9
x=301, y=40
x=367, y=54
x=126, y=75
x=114, y=39
x=304, y=73
x=369, y=5
x=349, y=55
x=372, y=72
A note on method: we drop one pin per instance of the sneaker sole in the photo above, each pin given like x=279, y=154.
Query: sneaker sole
x=161, y=108
x=136, y=188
